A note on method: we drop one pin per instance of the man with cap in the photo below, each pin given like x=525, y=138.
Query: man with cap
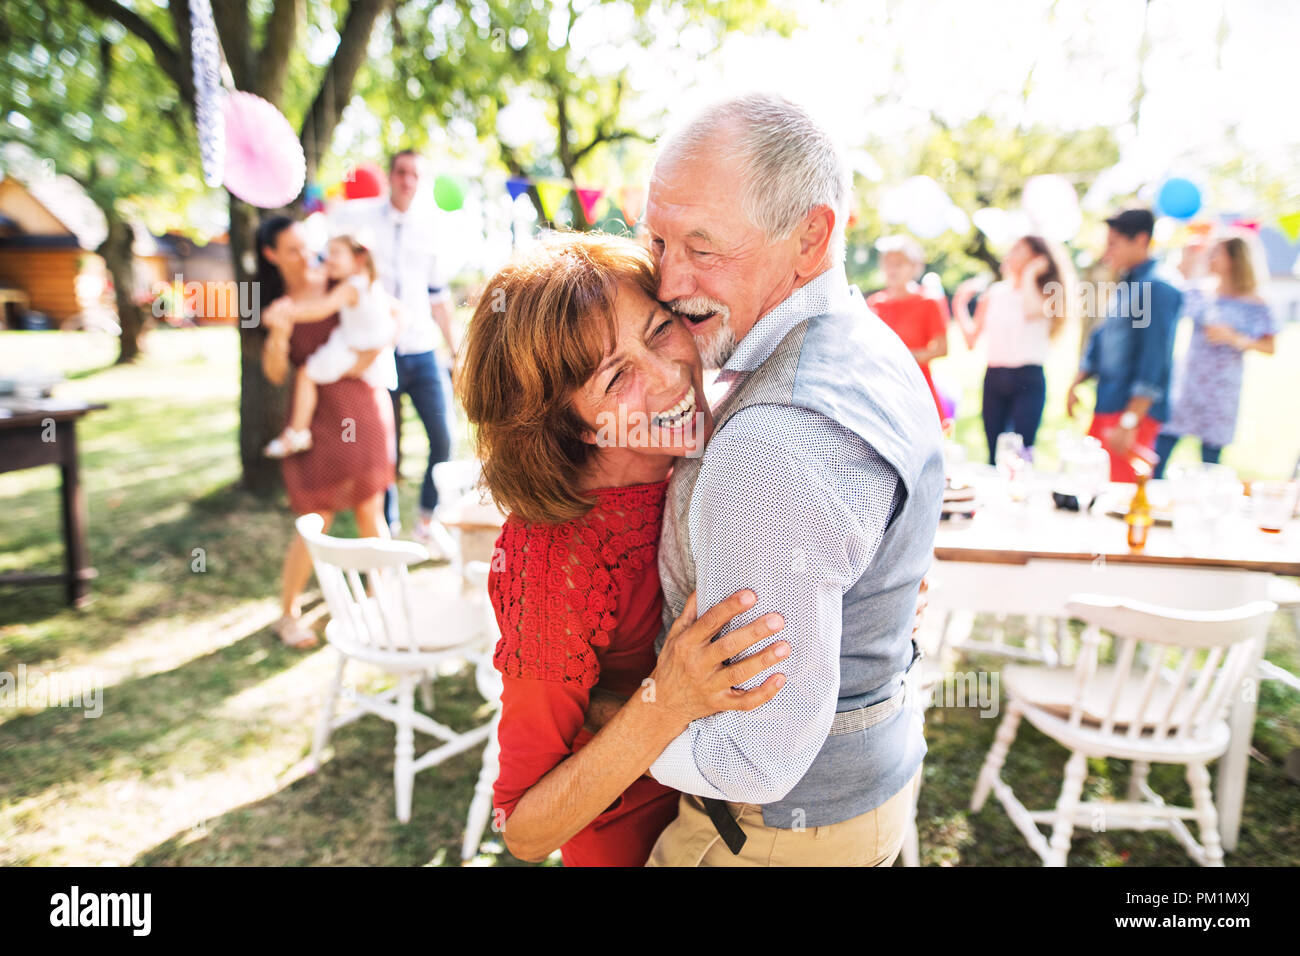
x=1131, y=350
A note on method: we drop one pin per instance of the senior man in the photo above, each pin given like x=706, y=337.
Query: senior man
x=820, y=489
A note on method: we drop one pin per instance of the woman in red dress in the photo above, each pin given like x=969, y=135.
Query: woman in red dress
x=567, y=344
x=353, y=451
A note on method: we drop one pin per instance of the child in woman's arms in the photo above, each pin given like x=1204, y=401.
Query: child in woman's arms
x=367, y=321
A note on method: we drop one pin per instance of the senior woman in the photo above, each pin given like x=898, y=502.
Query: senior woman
x=584, y=391
x=351, y=459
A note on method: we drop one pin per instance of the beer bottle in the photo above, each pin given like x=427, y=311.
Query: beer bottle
x=1139, y=518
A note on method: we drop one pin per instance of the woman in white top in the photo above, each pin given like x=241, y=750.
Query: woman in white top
x=1018, y=317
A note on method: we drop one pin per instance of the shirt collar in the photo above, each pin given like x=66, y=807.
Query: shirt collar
x=822, y=294
x=1140, y=271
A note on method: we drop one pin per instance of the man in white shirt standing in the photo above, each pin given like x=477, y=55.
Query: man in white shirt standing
x=402, y=243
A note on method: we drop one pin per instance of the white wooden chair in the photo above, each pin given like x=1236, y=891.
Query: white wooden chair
x=488, y=680
x=1162, y=700
x=385, y=622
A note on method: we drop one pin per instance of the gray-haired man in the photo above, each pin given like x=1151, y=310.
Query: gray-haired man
x=820, y=489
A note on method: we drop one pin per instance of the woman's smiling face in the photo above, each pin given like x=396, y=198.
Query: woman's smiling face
x=647, y=395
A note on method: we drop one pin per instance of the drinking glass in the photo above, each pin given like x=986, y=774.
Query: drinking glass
x=1273, y=503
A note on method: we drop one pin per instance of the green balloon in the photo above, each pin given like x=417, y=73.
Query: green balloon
x=448, y=193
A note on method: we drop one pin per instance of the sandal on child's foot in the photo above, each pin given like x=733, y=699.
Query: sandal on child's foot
x=294, y=633
x=289, y=442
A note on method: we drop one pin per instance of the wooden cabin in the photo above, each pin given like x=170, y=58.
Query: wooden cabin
x=47, y=259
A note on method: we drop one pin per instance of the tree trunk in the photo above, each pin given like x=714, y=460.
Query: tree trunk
x=120, y=260
x=263, y=407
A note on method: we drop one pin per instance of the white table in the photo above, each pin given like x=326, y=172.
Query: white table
x=1028, y=558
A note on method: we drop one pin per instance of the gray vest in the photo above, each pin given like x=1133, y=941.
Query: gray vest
x=851, y=367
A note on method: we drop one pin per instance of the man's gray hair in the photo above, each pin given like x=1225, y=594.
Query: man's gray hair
x=788, y=164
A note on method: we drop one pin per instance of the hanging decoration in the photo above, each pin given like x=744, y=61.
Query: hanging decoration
x=516, y=186
x=365, y=180
x=265, y=165
x=448, y=193
x=209, y=97
x=1178, y=198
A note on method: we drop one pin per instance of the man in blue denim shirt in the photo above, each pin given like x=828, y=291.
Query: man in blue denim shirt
x=1131, y=351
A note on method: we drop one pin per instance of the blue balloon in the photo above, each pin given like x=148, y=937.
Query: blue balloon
x=1178, y=198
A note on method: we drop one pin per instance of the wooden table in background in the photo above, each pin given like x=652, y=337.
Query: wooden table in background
x=44, y=432
x=1028, y=558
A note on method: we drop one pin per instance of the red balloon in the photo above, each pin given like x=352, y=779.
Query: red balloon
x=365, y=180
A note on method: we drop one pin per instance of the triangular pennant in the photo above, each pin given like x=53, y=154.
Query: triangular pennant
x=631, y=200
x=551, y=192
x=1290, y=225
x=589, y=198
x=517, y=186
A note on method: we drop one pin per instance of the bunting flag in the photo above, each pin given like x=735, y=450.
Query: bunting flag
x=551, y=192
x=517, y=186
x=1290, y=225
x=631, y=202
x=588, y=198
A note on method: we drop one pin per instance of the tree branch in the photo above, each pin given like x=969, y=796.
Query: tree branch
x=273, y=61
x=231, y=17
x=336, y=85
x=165, y=55
x=613, y=137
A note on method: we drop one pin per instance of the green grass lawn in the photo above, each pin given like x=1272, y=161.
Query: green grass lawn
x=199, y=756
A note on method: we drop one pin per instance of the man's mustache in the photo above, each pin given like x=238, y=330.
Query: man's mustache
x=697, y=308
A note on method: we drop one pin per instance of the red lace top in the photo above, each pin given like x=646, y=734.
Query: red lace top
x=579, y=603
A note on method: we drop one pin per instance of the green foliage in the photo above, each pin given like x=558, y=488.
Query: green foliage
x=570, y=63
x=980, y=163
x=86, y=95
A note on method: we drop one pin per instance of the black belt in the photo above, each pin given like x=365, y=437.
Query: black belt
x=863, y=717
x=727, y=828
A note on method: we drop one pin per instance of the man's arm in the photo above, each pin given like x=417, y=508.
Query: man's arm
x=794, y=506
x=1087, y=369
x=442, y=316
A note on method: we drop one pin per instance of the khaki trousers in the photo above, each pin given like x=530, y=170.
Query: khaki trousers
x=873, y=838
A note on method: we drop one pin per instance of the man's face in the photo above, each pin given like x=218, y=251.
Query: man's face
x=404, y=180
x=898, y=269
x=1124, y=252
x=716, y=269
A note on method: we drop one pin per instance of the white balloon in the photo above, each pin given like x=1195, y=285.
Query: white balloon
x=1052, y=206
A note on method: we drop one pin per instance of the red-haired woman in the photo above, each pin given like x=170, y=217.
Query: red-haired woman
x=584, y=390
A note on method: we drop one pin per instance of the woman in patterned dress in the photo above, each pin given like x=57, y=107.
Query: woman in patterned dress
x=566, y=343
x=1227, y=323
x=351, y=460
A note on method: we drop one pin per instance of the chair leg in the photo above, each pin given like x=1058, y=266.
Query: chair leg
x=911, y=839
x=996, y=758
x=1138, y=780
x=403, y=775
x=426, y=693
x=323, y=725
x=1207, y=817
x=1076, y=769
x=480, y=807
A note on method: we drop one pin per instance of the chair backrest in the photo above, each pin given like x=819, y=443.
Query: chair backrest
x=1174, y=671
x=374, y=616
x=455, y=479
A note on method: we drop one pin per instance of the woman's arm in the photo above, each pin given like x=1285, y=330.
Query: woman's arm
x=1227, y=335
x=971, y=329
x=275, y=349
x=690, y=680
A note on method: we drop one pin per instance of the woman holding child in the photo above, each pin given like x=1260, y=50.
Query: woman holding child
x=347, y=462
